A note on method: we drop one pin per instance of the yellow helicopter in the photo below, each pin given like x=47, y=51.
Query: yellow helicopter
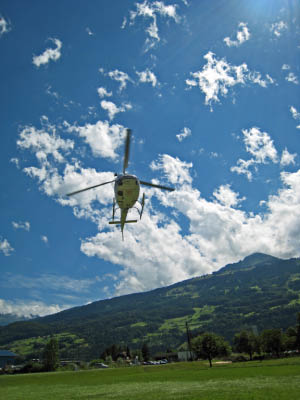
x=127, y=190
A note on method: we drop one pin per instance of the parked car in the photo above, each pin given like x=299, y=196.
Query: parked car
x=100, y=365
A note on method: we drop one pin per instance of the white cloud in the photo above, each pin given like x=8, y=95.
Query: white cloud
x=151, y=11
x=152, y=31
x=287, y=158
x=43, y=143
x=284, y=211
x=15, y=161
x=44, y=239
x=104, y=139
x=146, y=263
x=124, y=23
x=21, y=225
x=221, y=230
x=74, y=177
x=52, y=93
x=35, y=172
x=5, y=247
x=119, y=76
x=278, y=27
x=167, y=10
x=103, y=92
x=260, y=145
x=218, y=76
x=49, y=282
x=185, y=132
x=227, y=197
x=242, y=36
x=49, y=54
x=256, y=77
x=175, y=170
x=147, y=76
x=112, y=109
x=242, y=168
x=292, y=78
x=28, y=309
x=295, y=113
x=4, y=26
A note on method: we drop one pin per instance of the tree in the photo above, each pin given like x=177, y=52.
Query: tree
x=50, y=355
x=114, y=352
x=209, y=346
x=128, y=354
x=298, y=333
x=145, y=352
x=290, y=338
x=246, y=342
x=272, y=341
x=136, y=355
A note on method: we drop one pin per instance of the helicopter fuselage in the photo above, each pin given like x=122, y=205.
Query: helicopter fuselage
x=127, y=190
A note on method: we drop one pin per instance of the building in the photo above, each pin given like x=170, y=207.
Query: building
x=186, y=355
x=7, y=357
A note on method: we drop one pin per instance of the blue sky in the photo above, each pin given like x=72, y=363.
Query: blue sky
x=210, y=90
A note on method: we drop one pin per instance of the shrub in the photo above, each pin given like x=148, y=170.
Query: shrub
x=238, y=358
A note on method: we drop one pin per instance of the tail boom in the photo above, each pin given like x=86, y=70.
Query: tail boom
x=125, y=222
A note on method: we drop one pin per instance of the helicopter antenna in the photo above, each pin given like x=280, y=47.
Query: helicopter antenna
x=127, y=149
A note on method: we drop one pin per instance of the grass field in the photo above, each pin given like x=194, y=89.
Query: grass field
x=274, y=379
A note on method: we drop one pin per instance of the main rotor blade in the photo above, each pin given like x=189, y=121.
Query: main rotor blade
x=127, y=149
x=157, y=186
x=88, y=188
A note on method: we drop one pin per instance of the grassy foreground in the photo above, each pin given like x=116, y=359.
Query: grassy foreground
x=276, y=379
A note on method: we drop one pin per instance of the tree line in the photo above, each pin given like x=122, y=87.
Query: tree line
x=271, y=341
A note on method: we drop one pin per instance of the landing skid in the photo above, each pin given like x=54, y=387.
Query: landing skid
x=113, y=222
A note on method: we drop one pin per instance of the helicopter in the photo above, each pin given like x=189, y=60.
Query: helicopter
x=127, y=190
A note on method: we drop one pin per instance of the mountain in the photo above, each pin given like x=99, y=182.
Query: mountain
x=257, y=293
x=251, y=261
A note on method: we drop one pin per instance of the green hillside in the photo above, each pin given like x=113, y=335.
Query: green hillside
x=257, y=293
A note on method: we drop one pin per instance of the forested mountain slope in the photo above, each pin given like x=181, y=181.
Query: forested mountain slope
x=257, y=293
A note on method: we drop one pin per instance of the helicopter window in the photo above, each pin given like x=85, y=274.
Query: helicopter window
x=120, y=192
x=136, y=182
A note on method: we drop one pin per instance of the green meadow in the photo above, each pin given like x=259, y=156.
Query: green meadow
x=273, y=379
